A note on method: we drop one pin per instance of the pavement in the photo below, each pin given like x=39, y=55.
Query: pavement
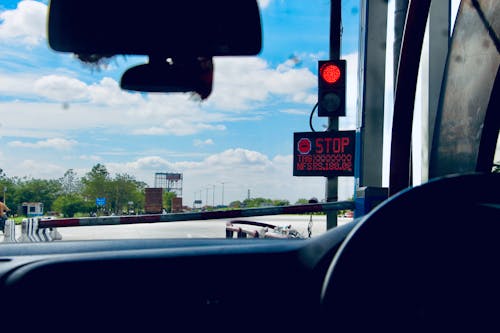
x=190, y=229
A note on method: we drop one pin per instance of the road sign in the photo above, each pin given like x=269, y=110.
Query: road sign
x=100, y=201
x=327, y=154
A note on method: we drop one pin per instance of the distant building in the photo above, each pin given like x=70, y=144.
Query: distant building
x=32, y=209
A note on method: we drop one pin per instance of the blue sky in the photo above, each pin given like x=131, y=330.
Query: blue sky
x=57, y=114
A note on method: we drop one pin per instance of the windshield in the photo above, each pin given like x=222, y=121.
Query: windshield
x=76, y=145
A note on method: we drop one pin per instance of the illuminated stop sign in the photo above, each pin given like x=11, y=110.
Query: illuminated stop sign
x=304, y=146
x=331, y=88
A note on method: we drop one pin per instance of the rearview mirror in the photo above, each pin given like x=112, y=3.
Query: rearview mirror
x=151, y=27
x=171, y=75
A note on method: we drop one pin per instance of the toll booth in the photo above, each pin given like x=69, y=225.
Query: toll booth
x=32, y=209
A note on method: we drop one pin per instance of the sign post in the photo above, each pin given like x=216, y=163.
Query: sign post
x=331, y=188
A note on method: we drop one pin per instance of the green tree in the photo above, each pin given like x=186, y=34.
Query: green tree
x=70, y=183
x=96, y=183
x=70, y=204
x=235, y=204
x=280, y=202
x=8, y=189
x=257, y=202
x=124, y=189
x=37, y=190
x=167, y=200
x=302, y=201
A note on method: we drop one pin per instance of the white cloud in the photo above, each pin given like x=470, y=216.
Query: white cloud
x=24, y=25
x=38, y=169
x=241, y=82
x=108, y=92
x=19, y=84
x=177, y=126
x=55, y=143
x=201, y=143
x=154, y=130
x=61, y=88
x=241, y=170
x=142, y=168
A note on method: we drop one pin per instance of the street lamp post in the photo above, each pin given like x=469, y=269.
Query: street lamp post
x=206, y=202
x=213, y=196
x=222, y=193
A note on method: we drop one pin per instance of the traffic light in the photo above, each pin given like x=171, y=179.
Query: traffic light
x=331, y=88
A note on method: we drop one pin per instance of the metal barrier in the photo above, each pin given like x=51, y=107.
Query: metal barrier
x=193, y=216
x=45, y=230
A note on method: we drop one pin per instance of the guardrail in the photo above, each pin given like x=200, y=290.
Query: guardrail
x=45, y=230
x=210, y=215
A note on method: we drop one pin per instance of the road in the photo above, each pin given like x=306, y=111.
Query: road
x=191, y=229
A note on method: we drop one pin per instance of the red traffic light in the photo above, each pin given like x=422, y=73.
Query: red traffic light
x=331, y=88
x=330, y=73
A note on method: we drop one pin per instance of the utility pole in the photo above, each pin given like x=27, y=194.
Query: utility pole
x=206, y=202
x=222, y=193
x=333, y=122
x=213, y=197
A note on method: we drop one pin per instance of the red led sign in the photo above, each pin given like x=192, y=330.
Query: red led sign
x=326, y=154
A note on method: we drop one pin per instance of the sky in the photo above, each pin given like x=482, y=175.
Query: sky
x=56, y=114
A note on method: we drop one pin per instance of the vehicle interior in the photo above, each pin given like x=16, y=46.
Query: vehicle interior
x=425, y=259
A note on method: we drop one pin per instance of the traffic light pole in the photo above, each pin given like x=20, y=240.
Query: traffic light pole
x=333, y=122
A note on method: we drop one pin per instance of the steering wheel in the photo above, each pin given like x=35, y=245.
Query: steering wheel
x=428, y=259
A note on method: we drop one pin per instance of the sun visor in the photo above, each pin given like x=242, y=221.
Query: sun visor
x=151, y=27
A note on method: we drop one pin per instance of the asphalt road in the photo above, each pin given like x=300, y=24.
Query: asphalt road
x=191, y=229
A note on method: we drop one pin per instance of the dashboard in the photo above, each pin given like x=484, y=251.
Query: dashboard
x=148, y=284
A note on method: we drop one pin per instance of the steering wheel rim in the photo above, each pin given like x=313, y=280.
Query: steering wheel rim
x=393, y=275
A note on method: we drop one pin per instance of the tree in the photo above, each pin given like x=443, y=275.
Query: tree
x=96, y=183
x=9, y=188
x=257, y=202
x=302, y=201
x=70, y=183
x=124, y=189
x=280, y=202
x=235, y=204
x=167, y=200
x=37, y=190
x=70, y=204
